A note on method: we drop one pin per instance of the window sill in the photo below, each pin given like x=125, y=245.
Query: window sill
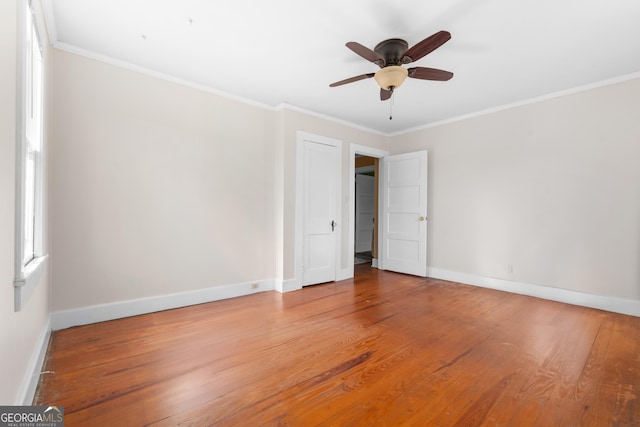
x=26, y=283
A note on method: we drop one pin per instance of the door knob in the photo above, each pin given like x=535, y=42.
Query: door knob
x=421, y=218
x=333, y=225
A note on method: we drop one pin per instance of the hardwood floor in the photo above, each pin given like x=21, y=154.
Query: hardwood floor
x=383, y=349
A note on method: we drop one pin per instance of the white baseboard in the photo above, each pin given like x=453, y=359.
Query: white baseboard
x=290, y=285
x=278, y=285
x=607, y=303
x=100, y=313
x=293, y=285
x=30, y=382
x=344, y=274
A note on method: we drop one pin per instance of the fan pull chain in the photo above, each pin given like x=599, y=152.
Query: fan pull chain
x=391, y=105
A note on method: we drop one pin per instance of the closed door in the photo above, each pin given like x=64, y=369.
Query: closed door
x=404, y=212
x=320, y=206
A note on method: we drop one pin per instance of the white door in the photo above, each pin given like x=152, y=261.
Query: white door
x=404, y=213
x=365, y=202
x=320, y=212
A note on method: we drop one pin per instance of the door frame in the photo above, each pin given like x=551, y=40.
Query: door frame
x=301, y=138
x=369, y=152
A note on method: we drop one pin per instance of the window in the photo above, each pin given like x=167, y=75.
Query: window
x=30, y=252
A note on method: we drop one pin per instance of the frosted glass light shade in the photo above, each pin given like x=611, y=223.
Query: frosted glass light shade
x=391, y=76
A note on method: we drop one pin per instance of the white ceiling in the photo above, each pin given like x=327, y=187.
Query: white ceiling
x=288, y=51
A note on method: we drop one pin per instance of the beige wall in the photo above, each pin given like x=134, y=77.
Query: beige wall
x=135, y=154
x=19, y=331
x=157, y=188
x=552, y=188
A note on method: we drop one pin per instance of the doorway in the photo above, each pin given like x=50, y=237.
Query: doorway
x=362, y=152
x=401, y=214
x=366, y=200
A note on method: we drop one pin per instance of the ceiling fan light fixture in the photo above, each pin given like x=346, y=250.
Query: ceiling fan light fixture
x=391, y=76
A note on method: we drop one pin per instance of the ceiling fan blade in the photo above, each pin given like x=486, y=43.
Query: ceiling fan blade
x=352, y=79
x=426, y=46
x=430, y=74
x=385, y=94
x=366, y=53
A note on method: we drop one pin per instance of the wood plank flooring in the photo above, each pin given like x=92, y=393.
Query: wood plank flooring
x=383, y=349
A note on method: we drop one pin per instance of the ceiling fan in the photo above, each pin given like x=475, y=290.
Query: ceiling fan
x=390, y=54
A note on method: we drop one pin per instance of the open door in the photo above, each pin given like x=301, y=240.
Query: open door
x=404, y=213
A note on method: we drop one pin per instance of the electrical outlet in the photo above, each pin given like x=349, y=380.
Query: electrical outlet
x=255, y=285
x=510, y=269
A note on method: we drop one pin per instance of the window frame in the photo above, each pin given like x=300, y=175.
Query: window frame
x=29, y=146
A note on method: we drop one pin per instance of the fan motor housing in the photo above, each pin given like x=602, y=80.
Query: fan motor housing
x=392, y=50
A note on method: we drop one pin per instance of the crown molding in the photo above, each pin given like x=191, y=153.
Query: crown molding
x=534, y=100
